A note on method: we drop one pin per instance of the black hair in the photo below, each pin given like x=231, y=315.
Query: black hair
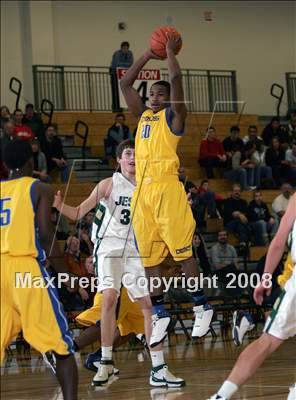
x=211, y=128
x=29, y=105
x=164, y=84
x=120, y=115
x=252, y=127
x=275, y=119
x=234, y=128
x=125, y=44
x=17, y=110
x=125, y=144
x=17, y=153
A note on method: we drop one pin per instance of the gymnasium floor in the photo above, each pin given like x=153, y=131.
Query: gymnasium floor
x=204, y=366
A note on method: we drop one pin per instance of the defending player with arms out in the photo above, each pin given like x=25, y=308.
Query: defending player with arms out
x=162, y=218
x=281, y=324
x=116, y=258
x=27, y=238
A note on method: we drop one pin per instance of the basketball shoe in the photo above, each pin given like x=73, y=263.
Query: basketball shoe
x=160, y=327
x=92, y=361
x=242, y=323
x=105, y=371
x=203, y=318
x=292, y=394
x=161, y=376
x=217, y=397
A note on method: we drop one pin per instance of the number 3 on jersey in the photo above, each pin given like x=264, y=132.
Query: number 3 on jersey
x=4, y=212
x=145, y=134
x=125, y=217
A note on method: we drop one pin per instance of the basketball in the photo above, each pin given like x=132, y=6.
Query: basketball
x=159, y=39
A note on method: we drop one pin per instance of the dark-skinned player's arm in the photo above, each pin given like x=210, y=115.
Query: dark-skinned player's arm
x=277, y=248
x=177, y=93
x=132, y=97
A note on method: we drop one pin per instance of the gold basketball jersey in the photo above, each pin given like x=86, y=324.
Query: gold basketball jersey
x=156, y=145
x=19, y=232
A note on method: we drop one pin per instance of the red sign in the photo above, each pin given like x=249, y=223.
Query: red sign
x=144, y=74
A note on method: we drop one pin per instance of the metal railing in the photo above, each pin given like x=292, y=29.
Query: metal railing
x=291, y=90
x=87, y=88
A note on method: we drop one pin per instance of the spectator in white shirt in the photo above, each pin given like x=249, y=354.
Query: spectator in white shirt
x=280, y=203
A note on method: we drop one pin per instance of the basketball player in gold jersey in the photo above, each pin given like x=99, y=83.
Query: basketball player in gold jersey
x=281, y=324
x=162, y=218
x=27, y=238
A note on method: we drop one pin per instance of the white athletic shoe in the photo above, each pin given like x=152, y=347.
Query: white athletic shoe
x=242, y=323
x=160, y=324
x=161, y=376
x=105, y=371
x=217, y=397
x=292, y=394
x=203, y=318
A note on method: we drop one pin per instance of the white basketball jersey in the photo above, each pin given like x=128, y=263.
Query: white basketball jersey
x=113, y=216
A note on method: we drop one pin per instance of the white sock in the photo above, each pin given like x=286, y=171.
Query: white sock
x=227, y=390
x=157, y=358
x=107, y=352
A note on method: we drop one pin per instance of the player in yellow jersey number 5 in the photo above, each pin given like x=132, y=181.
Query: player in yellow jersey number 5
x=162, y=218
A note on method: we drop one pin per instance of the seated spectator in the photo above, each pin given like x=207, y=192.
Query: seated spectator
x=53, y=149
x=274, y=129
x=21, y=131
x=250, y=164
x=116, y=134
x=6, y=135
x=260, y=219
x=291, y=164
x=40, y=164
x=61, y=223
x=280, y=203
x=235, y=216
x=275, y=159
x=86, y=246
x=87, y=222
x=253, y=137
x=292, y=127
x=263, y=172
x=4, y=116
x=33, y=120
x=200, y=252
x=204, y=187
x=212, y=154
x=233, y=144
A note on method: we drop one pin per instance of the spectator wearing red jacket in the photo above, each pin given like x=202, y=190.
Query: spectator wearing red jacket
x=212, y=154
x=22, y=131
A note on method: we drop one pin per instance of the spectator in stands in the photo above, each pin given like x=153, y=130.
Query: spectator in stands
x=4, y=116
x=233, y=144
x=275, y=129
x=200, y=252
x=86, y=246
x=53, y=150
x=280, y=203
x=116, y=134
x=63, y=230
x=262, y=172
x=260, y=219
x=87, y=222
x=274, y=158
x=253, y=137
x=291, y=164
x=292, y=127
x=33, y=120
x=122, y=58
x=183, y=178
x=21, y=130
x=6, y=135
x=204, y=187
x=40, y=164
x=212, y=154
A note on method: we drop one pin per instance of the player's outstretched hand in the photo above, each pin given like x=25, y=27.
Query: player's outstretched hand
x=173, y=43
x=58, y=201
x=260, y=292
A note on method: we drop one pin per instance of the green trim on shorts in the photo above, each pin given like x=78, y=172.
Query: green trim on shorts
x=96, y=256
x=275, y=309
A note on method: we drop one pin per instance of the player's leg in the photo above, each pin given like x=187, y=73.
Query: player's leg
x=247, y=364
x=160, y=374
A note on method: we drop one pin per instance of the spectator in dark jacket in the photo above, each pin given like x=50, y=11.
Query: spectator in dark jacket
x=4, y=116
x=53, y=149
x=116, y=134
x=33, y=120
x=233, y=144
x=260, y=219
x=275, y=129
x=235, y=215
x=40, y=164
x=212, y=154
x=275, y=158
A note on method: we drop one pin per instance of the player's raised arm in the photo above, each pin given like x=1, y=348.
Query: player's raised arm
x=175, y=77
x=102, y=190
x=132, y=97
